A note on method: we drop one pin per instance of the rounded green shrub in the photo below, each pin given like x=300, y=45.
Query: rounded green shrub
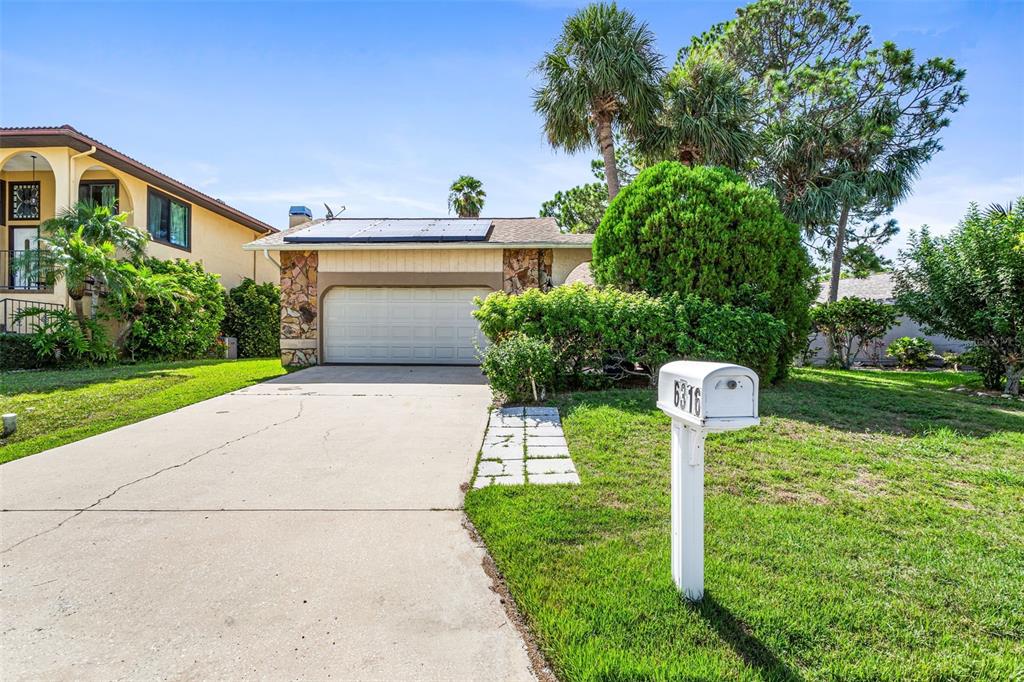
x=704, y=231
x=252, y=314
x=519, y=368
x=910, y=352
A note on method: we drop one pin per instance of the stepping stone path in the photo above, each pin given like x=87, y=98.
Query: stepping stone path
x=525, y=445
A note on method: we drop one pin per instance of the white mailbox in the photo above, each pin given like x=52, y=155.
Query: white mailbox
x=701, y=397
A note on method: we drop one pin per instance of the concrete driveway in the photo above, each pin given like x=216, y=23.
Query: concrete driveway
x=308, y=527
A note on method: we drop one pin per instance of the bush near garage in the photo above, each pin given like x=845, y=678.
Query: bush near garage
x=704, y=231
x=910, y=352
x=252, y=314
x=519, y=368
x=181, y=329
x=601, y=334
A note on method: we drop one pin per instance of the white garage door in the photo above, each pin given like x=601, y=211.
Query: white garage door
x=415, y=325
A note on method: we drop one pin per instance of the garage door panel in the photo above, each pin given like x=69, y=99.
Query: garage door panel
x=401, y=325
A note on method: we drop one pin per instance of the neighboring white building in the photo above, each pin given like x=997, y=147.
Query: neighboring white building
x=879, y=288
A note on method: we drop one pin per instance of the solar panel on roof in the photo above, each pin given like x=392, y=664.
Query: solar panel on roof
x=384, y=230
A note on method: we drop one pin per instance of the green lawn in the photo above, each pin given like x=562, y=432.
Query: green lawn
x=871, y=528
x=61, y=406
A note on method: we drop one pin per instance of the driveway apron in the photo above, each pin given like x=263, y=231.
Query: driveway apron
x=307, y=527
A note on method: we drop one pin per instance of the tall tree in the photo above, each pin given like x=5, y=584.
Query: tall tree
x=843, y=127
x=707, y=117
x=581, y=208
x=466, y=197
x=603, y=74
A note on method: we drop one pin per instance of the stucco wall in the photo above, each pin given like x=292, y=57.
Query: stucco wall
x=565, y=260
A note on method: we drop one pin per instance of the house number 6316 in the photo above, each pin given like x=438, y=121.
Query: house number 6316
x=687, y=397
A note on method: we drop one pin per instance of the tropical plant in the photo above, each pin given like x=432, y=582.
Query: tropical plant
x=252, y=314
x=82, y=246
x=910, y=352
x=519, y=367
x=851, y=325
x=704, y=231
x=707, y=118
x=603, y=74
x=970, y=285
x=466, y=197
x=183, y=326
x=139, y=288
x=61, y=338
x=843, y=127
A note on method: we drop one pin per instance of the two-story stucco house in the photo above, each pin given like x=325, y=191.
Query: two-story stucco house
x=401, y=290
x=45, y=170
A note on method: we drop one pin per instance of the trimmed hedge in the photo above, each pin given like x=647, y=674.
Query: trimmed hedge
x=704, y=231
x=519, y=368
x=186, y=329
x=252, y=314
x=599, y=334
x=17, y=352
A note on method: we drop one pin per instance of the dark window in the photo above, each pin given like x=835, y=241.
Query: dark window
x=169, y=220
x=24, y=201
x=100, y=192
x=3, y=202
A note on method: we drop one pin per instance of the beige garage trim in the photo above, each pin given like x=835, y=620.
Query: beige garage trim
x=411, y=260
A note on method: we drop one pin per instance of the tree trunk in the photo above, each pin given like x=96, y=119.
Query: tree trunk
x=1013, y=377
x=837, y=254
x=80, y=314
x=604, y=140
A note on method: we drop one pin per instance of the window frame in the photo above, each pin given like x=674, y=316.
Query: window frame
x=102, y=181
x=11, y=184
x=188, y=220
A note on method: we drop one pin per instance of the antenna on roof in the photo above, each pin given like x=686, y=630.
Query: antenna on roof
x=331, y=215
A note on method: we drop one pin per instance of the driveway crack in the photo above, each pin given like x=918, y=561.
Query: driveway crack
x=302, y=405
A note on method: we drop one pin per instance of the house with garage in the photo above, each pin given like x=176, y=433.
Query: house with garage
x=401, y=290
x=45, y=170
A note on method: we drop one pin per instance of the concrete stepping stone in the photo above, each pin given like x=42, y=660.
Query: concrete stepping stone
x=562, y=465
x=508, y=467
x=550, y=431
x=551, y=479
x=546, y=451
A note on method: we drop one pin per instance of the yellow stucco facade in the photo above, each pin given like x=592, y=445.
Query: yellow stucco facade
x=214, y=240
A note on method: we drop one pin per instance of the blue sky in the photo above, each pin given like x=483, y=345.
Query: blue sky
x=380, y=106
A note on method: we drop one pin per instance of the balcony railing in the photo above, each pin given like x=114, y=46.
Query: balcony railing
x=10, y=322
x=25, y=271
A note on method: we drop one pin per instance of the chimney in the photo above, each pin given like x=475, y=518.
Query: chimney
x=298, y=215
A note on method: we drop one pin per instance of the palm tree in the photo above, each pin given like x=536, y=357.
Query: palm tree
x=707, y=117
x=82, y=244
x=466, y=197
x=602, y=74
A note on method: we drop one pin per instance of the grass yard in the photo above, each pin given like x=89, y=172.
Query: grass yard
x=61, y=406
x=871, y=528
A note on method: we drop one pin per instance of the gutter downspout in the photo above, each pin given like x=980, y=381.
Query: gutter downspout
x=71, y=168
x=266, y=254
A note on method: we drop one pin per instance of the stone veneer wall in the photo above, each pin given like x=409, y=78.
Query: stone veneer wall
x=524, y=269
x=299, y=307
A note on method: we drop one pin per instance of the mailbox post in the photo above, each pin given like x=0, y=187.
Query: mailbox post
x=701, y=398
